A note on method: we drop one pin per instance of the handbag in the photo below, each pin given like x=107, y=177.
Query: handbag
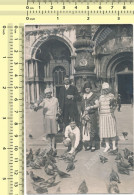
x=85, y=133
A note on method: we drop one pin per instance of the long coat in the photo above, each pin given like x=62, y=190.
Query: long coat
x=69, y=106
x=93, y=116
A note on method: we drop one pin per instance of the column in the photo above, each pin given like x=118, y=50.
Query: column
x=32, y=92
x=26, y=69
x=28, y=92
x=37, y=91
x=72, y=69
x=31, y=69
x=36, y=68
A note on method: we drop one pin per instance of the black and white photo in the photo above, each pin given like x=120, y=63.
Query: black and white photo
x=79, y=109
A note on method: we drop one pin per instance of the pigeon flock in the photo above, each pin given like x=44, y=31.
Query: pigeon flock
x=48, y=162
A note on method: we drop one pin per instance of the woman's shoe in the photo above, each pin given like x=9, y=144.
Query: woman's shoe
x=93, y=149
x=106, y=149
x=71, y=151
x=115, y=149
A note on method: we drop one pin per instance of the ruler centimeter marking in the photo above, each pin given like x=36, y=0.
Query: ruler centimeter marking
x=60, y=9
x=85, y=8
x=14, y=60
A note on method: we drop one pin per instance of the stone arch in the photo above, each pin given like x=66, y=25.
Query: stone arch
x=105, y=32
x=43, y=38
x=101, y=34
x=118, y=57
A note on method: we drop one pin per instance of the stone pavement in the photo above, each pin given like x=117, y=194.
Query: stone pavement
x=88, y=166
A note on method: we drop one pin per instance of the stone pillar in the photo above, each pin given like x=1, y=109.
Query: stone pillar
x=72, y=70
x=36, y=68
x=32, y=92
x=31, y=69
x=37, y=82
x=37, y=91
x=28, y=93
x=26, y=69
x=84, y=64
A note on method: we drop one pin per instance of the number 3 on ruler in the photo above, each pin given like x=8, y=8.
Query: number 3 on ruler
x=88, y=18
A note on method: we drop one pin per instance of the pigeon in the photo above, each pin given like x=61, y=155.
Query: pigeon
x=131, y=161
x=49, y=170
x=122, y=170
x=123, y=164
x=51, y=158
x=103, y=159
x=113, y=152
x=39, y=189
x=50, y=182
x=70, y=157
x=29, y=157
x=70, y=166
x=113, y=188
x=41, y=161
x=119, y=156
x=34, y=165
x=52, y=179
x=37, y=152
x=62, y=157
x=83, y=189
x=114, y=177
x=36, y=178
x=52, y=152
x=30, y=136
x=36, y=109
x=49, y=162
x=43, y=153
x=127, y=153
x=62, y=174
x=125, y=134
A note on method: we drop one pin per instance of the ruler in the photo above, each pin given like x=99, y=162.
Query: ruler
x=13, y=15
x=84, y=11
x=12, y=109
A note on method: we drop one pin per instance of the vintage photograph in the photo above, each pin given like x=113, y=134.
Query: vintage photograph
x=79, y=109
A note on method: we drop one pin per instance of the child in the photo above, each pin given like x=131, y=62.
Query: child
x=72, y=136
x=108, y=129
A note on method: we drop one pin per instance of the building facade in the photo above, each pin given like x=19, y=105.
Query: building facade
x=84, y=52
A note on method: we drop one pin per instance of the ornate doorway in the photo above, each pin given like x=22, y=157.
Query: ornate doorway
x=55, y=63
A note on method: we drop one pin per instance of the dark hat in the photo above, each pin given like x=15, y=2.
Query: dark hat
x=66, y=77
x=72, y=120
x=87, y=85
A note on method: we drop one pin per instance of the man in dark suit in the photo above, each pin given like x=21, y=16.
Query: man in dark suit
x=68, y=98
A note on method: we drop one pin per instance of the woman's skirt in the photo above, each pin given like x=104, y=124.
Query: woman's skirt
x=50, y=125
x=108, y=127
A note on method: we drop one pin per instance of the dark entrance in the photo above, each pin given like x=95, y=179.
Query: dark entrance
x=125, y=88
x=58, y=78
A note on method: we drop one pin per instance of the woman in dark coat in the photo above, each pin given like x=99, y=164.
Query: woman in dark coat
x=90, y=116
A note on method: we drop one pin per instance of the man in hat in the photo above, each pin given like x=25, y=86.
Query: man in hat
x=68, y=98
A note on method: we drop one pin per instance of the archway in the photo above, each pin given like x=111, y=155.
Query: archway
x=119, y=71
x=54, y=59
